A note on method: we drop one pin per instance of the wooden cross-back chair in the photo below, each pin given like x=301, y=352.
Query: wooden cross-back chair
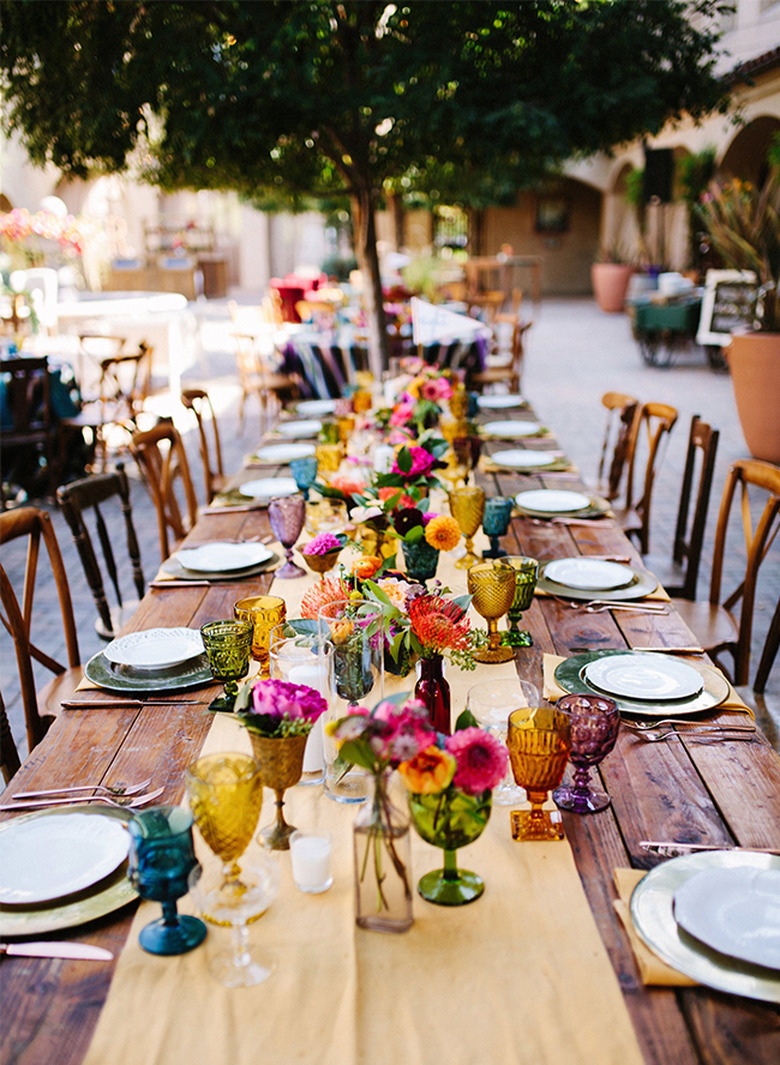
x=199, y=402
x=84, y=498
x=30, y=430
x=619, y=438
x=509, y=371
x=256, y=376
x=714, y=622
x=679, y=574
x=162, y=460
x=18, y=615
x=651, y=428
x=9, y=755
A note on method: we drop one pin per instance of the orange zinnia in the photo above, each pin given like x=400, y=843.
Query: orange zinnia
x=442, y=532
x=429, y=772
x=366, y=567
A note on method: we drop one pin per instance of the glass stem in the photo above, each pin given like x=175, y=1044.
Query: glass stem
x=170, y=914
x=241, y=956
x=493, y=634
x=450, y=865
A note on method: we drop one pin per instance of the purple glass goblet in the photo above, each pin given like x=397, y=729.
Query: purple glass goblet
x=595, y=721
x=286, y=515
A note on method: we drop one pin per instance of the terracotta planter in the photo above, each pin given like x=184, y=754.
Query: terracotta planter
x=754, y=362
x=610, y=284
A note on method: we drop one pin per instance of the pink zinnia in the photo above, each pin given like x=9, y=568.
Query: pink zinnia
x=482, y=759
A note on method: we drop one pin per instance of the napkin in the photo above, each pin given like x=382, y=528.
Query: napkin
x=552, y=691
x=652, y=970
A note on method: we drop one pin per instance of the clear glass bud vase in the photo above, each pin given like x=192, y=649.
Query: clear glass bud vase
x=383, y=885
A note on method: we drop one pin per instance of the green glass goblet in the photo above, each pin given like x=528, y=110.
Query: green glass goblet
x=450, y=820
x=526, y=572
x=227, y=644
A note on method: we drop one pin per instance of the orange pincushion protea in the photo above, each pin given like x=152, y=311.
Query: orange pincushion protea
x=327, y=591
x=438, y=625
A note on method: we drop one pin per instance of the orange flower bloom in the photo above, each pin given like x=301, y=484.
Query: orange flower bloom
x=439, y=625
x=366, y=567
x=429, y=772
x=443, y=532
x=324, y=592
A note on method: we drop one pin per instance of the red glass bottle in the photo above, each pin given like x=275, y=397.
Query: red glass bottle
x=433, y=690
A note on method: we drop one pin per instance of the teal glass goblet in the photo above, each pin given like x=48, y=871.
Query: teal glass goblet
x=161, y=859
x=305, y=473
x=495, y=523
x=526, y=572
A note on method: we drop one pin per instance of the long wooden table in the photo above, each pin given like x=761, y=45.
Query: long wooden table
x=718, y=793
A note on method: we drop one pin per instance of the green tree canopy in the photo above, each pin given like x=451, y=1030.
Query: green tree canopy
x=316, y=98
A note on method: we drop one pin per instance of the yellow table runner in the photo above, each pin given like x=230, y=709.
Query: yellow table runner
x=520, y=976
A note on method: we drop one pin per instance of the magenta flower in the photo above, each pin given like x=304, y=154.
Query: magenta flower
x=401, y=414
x=280, y=699
x=322, y=544
x=482, y=759
x=422, y=463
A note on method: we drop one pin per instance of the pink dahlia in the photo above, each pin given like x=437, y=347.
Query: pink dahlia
x=482, y=759
x=322, y=544
x=422, y=463
x=280, y=698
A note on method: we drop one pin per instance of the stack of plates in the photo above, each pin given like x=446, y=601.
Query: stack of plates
x=715, y=916
x=300, y=430
x=151, y=660
x=511, y=430
x=280, y=454
x=550, y=502
x=220, y=560
x=590, y=578
x=520, y=459
x=505, y=401
x=62, y=868
x=267, y=488
x=316, y=408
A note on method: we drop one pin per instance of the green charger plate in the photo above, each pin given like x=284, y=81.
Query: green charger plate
x=192, y=674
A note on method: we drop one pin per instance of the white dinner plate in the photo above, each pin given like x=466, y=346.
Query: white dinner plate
x=266, y=488
x=734, y=911
x=511, y=430
x=47, y=858
x=316, y=408
x=499, y=402
x=223, y=557
x=592, y=573
x=647, y=676
x=520, y=459
x=282, y=453
x=310, y=427
x=155, y=648
x=552, y=501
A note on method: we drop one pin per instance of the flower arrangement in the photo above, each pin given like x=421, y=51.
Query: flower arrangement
x=414, y=466
x=471, y=760
x=277, y=709
x=419, y=405
x=323, y=543
x=743, y=223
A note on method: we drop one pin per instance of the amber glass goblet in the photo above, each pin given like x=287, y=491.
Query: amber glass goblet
x=492, y=587
x=539, y=741
x=264, y=612
x=527, y=570
x=467, y=506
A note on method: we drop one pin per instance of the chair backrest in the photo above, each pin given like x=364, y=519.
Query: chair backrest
x=124, y=383
x=619, y=439
x=9, y=755
x=17, y=616
x=199, y=402
x=765, y=477
x=77, y=500
x=26, y=406
x=652, y=427
x=689, y=536
x=162, y=461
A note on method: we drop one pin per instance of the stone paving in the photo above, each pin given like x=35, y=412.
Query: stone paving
x=574, y=354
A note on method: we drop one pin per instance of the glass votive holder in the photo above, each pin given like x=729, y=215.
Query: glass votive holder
x=264, y=612
x=310, y=855
x=329, y=457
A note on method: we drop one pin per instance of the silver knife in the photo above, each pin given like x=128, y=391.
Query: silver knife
x=56, y=950
x=672, y=849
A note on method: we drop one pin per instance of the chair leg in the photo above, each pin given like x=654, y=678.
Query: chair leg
x=769, y=653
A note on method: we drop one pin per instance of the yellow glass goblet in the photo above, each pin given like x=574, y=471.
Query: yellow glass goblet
x=539, y=741
x=225, y=793
x=492, y=587
x=467, y=506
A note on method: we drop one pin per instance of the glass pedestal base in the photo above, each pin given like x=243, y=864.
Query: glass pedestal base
x=517, y=638
x=464, y=887
x=535, y=825
x=161, y=938
x=581, y=801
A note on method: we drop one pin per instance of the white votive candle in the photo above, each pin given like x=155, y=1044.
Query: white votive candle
x=310, y=854
x=383, y=458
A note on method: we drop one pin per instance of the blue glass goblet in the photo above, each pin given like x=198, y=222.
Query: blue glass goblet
x=305, y=473
x=161, y=859
x=495, y=523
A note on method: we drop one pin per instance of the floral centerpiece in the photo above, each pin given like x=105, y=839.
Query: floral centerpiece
x=321, y=553
x=420, y=403
x=279, y=716
x=379, y=742
x=450, y=800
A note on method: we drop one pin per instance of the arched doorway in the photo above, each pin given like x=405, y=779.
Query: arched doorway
x=745, y=157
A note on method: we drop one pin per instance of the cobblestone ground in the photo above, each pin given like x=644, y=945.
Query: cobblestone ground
x=574, y=354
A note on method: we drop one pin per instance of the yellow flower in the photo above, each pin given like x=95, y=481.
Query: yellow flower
x=443, y=532
x=429, y=772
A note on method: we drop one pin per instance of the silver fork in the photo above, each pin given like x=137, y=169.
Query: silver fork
x=112, y=790
x=650, y=726
x=72, y=800
x=667, y=734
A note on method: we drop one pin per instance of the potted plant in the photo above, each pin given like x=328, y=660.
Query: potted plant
x=610, y=275
x=743, y=223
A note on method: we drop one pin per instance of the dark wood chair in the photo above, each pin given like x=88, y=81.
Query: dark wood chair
x=651, y=427
x=679, y=573
x=9, y=755
x=714, y=622
x=27, y=430
x=619, y=438
x=17, y=618
x=509, y=372
x=85, y=497
x=162, y=460
x=769, y=652
x=199, y=402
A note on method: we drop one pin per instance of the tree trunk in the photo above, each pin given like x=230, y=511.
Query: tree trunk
x=364, y=226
